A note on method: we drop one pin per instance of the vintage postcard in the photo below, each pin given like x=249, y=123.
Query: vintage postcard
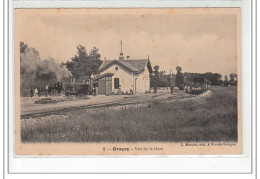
x=159, y=81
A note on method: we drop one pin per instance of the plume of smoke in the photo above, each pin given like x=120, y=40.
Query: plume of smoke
x=35, y=71
x=29, y=60
x=50, y=66
x=64, y=73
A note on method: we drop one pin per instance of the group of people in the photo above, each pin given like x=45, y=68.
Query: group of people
x=34, y=92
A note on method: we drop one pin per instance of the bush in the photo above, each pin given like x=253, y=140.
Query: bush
x=45, y=101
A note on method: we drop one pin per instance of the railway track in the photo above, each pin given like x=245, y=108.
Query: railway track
x=58, y=111
x=68, y=109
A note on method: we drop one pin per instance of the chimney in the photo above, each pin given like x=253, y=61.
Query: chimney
x=121, y=56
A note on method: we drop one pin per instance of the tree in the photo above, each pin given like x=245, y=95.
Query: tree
x=23, y=47
x=233, y=79
x=156, y=77
x=179, y=78
x=156, y=69
x=83, y=64
x=226, y=80
x=233, y=76
x=210, y=77
x=217, y=79
x=214, y=79
x=179, y=69
x=163, y=79
x=29, y=61
x=95, y=61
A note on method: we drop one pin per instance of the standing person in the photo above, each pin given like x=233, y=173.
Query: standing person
x=50, y=88
x=31, y=92
x=155, y=89
x=46, y=90
x=87, y=89
x=119, y=90
x=94, y=90
x=131, y=92
x=171, y=89
x=35, y=92
x=59, y=87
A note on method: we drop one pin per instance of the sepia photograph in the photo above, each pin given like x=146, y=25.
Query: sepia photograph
x=156, y=81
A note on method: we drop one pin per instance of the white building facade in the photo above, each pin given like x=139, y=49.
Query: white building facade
x=126, y=75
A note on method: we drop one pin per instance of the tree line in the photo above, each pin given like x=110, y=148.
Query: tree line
x=161, y=79
x=37, y=72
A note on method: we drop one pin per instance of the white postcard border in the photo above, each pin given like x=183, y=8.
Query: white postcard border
x=140, y=164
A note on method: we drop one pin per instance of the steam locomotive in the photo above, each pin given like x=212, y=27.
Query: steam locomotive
x=66, y=89
x=76, y=89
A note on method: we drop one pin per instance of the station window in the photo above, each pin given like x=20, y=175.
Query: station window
x=116, y=83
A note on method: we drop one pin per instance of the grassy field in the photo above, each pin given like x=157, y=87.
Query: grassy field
x=211, y=118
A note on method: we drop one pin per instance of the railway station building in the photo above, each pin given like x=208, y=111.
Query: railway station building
x=123, y=74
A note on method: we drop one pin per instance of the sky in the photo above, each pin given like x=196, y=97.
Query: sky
x=198, y=42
